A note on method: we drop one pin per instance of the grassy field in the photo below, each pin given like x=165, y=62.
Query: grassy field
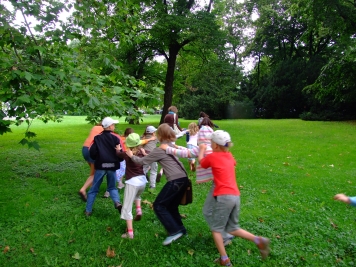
x=288, y=172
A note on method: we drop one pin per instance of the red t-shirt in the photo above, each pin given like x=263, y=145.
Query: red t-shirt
x=223, y=168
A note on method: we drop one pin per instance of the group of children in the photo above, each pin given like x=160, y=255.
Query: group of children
x=215, y=163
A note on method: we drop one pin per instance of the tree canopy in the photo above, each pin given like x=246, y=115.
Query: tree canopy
x=102, y=60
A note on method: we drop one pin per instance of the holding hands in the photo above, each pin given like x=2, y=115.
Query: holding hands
x=129, y=152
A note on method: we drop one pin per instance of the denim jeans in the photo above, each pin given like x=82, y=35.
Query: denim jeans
x=167, y=203
x=111, y=187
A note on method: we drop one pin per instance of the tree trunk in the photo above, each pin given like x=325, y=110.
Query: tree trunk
x=168, y=87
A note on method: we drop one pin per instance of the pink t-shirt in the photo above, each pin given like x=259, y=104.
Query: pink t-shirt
x=223, y=168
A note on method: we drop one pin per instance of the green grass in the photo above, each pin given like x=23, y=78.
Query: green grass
x=288, y=172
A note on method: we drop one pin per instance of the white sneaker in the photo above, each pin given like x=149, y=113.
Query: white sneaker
x=106, y=194
x=172, y=238
x=120, y=185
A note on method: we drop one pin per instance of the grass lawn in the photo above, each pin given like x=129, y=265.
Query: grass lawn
x=288, y=172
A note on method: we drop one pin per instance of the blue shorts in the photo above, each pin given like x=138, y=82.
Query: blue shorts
x=86, y=154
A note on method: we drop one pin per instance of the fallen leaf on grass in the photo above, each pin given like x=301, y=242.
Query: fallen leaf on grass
x=333, y=224
x=184, y=216
x=286, y=164
x=277, y=236
x=332, y=165
x=156, y=235
x=109, y=229
x=32, y=250
x=191, y=252
x=292, y=210
x=264, y=191
x=248, y=252
x=148, y=203
x=261, y=220
x=6, y=249
x=292, y=193
x=110, y=253
x=349, y=182
x=76, y=256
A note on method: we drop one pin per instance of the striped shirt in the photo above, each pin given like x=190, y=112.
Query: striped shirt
x=203, y=175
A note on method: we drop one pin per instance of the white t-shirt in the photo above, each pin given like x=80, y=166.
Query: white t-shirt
x=193, y=140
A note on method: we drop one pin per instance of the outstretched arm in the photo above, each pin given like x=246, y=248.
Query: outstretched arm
x=346, y=199
x=183, y=152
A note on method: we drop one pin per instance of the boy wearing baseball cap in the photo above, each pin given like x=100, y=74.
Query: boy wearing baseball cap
x=227, y=196
x=103, y=151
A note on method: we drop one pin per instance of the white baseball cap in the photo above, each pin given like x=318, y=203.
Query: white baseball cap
x=221, y=137
x=108, y=121
x=151, y=129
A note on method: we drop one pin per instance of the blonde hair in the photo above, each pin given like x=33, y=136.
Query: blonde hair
x=136, y=150
x=193, y=128
x=165, y=133
x=173, y=109
x=225, y=148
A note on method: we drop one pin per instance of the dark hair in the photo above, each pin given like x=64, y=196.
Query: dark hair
x=128, y=131
x=206, y=121
x=203, y=115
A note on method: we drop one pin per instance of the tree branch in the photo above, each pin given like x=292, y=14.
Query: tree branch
x=33, y=38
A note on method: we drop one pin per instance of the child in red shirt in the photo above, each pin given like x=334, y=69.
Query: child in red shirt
x=227, y=196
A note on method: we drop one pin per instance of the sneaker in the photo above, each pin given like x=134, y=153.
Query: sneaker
x=226, y=262
x=263, y=246
x=158, y=178
x=127, y=235
x=228, y=240
x=120, y=185
x=106, y=194
x=171, y=238
x=138, y=216
x=87, y=213
x=118, y=206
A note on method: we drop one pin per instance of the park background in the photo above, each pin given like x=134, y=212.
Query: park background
x=132, y=59
x=288, y=172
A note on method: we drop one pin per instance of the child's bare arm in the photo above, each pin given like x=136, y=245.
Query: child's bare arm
x=342, y=198
x=202, y=148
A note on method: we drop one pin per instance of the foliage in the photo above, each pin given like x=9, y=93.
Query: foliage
x=315, y=49
x=287, y=172
x=45, y=77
